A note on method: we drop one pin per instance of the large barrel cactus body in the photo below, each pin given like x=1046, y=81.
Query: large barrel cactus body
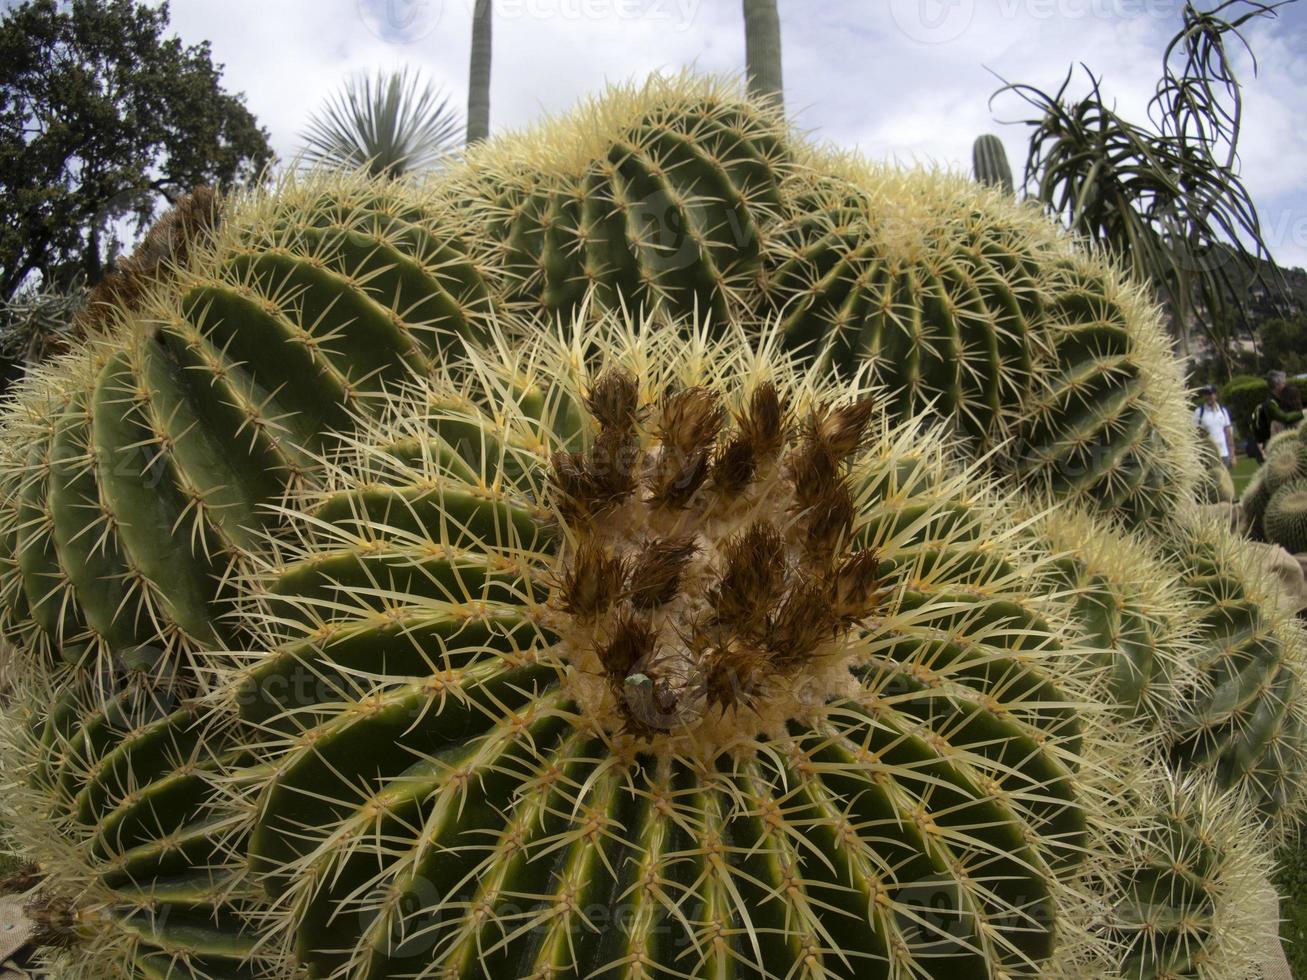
x=521, y=722
x=373, y=622
x=651, y=199
x=940, y=302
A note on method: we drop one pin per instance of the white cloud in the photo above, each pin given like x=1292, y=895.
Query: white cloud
x=903, y=79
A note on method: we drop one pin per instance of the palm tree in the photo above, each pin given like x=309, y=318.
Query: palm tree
x=478, y=88
x=762, y=50
x=390, y=124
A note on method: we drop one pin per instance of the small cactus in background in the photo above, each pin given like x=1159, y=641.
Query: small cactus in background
x=989, y=163
x=1273, y=501
x=1286, y=517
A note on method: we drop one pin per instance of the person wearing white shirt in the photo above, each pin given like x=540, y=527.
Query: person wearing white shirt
x=1212, y=417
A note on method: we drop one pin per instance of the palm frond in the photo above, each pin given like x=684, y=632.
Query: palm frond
x=390, y=124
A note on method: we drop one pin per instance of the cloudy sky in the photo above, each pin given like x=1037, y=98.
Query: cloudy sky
x=908, y=80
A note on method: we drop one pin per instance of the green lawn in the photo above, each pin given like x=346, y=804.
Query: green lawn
x=1292, y=883
x=1244, y=468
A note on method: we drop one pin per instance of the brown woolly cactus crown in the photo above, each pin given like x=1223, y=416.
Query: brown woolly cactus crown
x=714, y=564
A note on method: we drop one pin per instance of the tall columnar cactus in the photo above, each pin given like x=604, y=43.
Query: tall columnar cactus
x=1245, y=724
x=989, y=163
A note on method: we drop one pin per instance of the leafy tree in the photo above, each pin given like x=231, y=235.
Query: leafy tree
x=103, y=121
x=390, y=124
x=1165, y=196
x=762, y=49
x=1283, y=344
x=478, y=89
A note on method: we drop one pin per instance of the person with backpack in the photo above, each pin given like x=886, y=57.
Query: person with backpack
x=1213, y=418
x=1270, y=417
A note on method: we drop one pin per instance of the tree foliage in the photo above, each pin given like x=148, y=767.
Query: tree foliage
x=1166, y=196
x=103, y=121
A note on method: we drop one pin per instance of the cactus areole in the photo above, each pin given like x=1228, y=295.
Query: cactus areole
x=713, y=571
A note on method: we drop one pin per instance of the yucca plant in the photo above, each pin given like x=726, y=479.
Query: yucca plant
x=388, y=124
x=1166, y=198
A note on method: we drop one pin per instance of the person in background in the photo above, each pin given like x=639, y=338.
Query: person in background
x=1212, y=417
x=1290, y=398
x=1279, y=417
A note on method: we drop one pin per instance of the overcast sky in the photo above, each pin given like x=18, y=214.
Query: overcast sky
x=899, y=79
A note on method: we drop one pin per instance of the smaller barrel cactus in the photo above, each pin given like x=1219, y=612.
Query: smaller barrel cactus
x=1286, y=517
x=1274, y=501
x=1245, y=723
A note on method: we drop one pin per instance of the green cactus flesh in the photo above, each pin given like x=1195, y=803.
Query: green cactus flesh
x=1188, y=877
x=1126, y=607
x=667, y=213
x=154, y=466
x=611, y=745
x=1286, y=517
x=1106, y=424
x=477, y=629
x=945, y=325
x=1244, y=722
x=989, y=162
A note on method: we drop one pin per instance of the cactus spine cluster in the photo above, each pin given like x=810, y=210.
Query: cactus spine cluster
x=409, y=578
